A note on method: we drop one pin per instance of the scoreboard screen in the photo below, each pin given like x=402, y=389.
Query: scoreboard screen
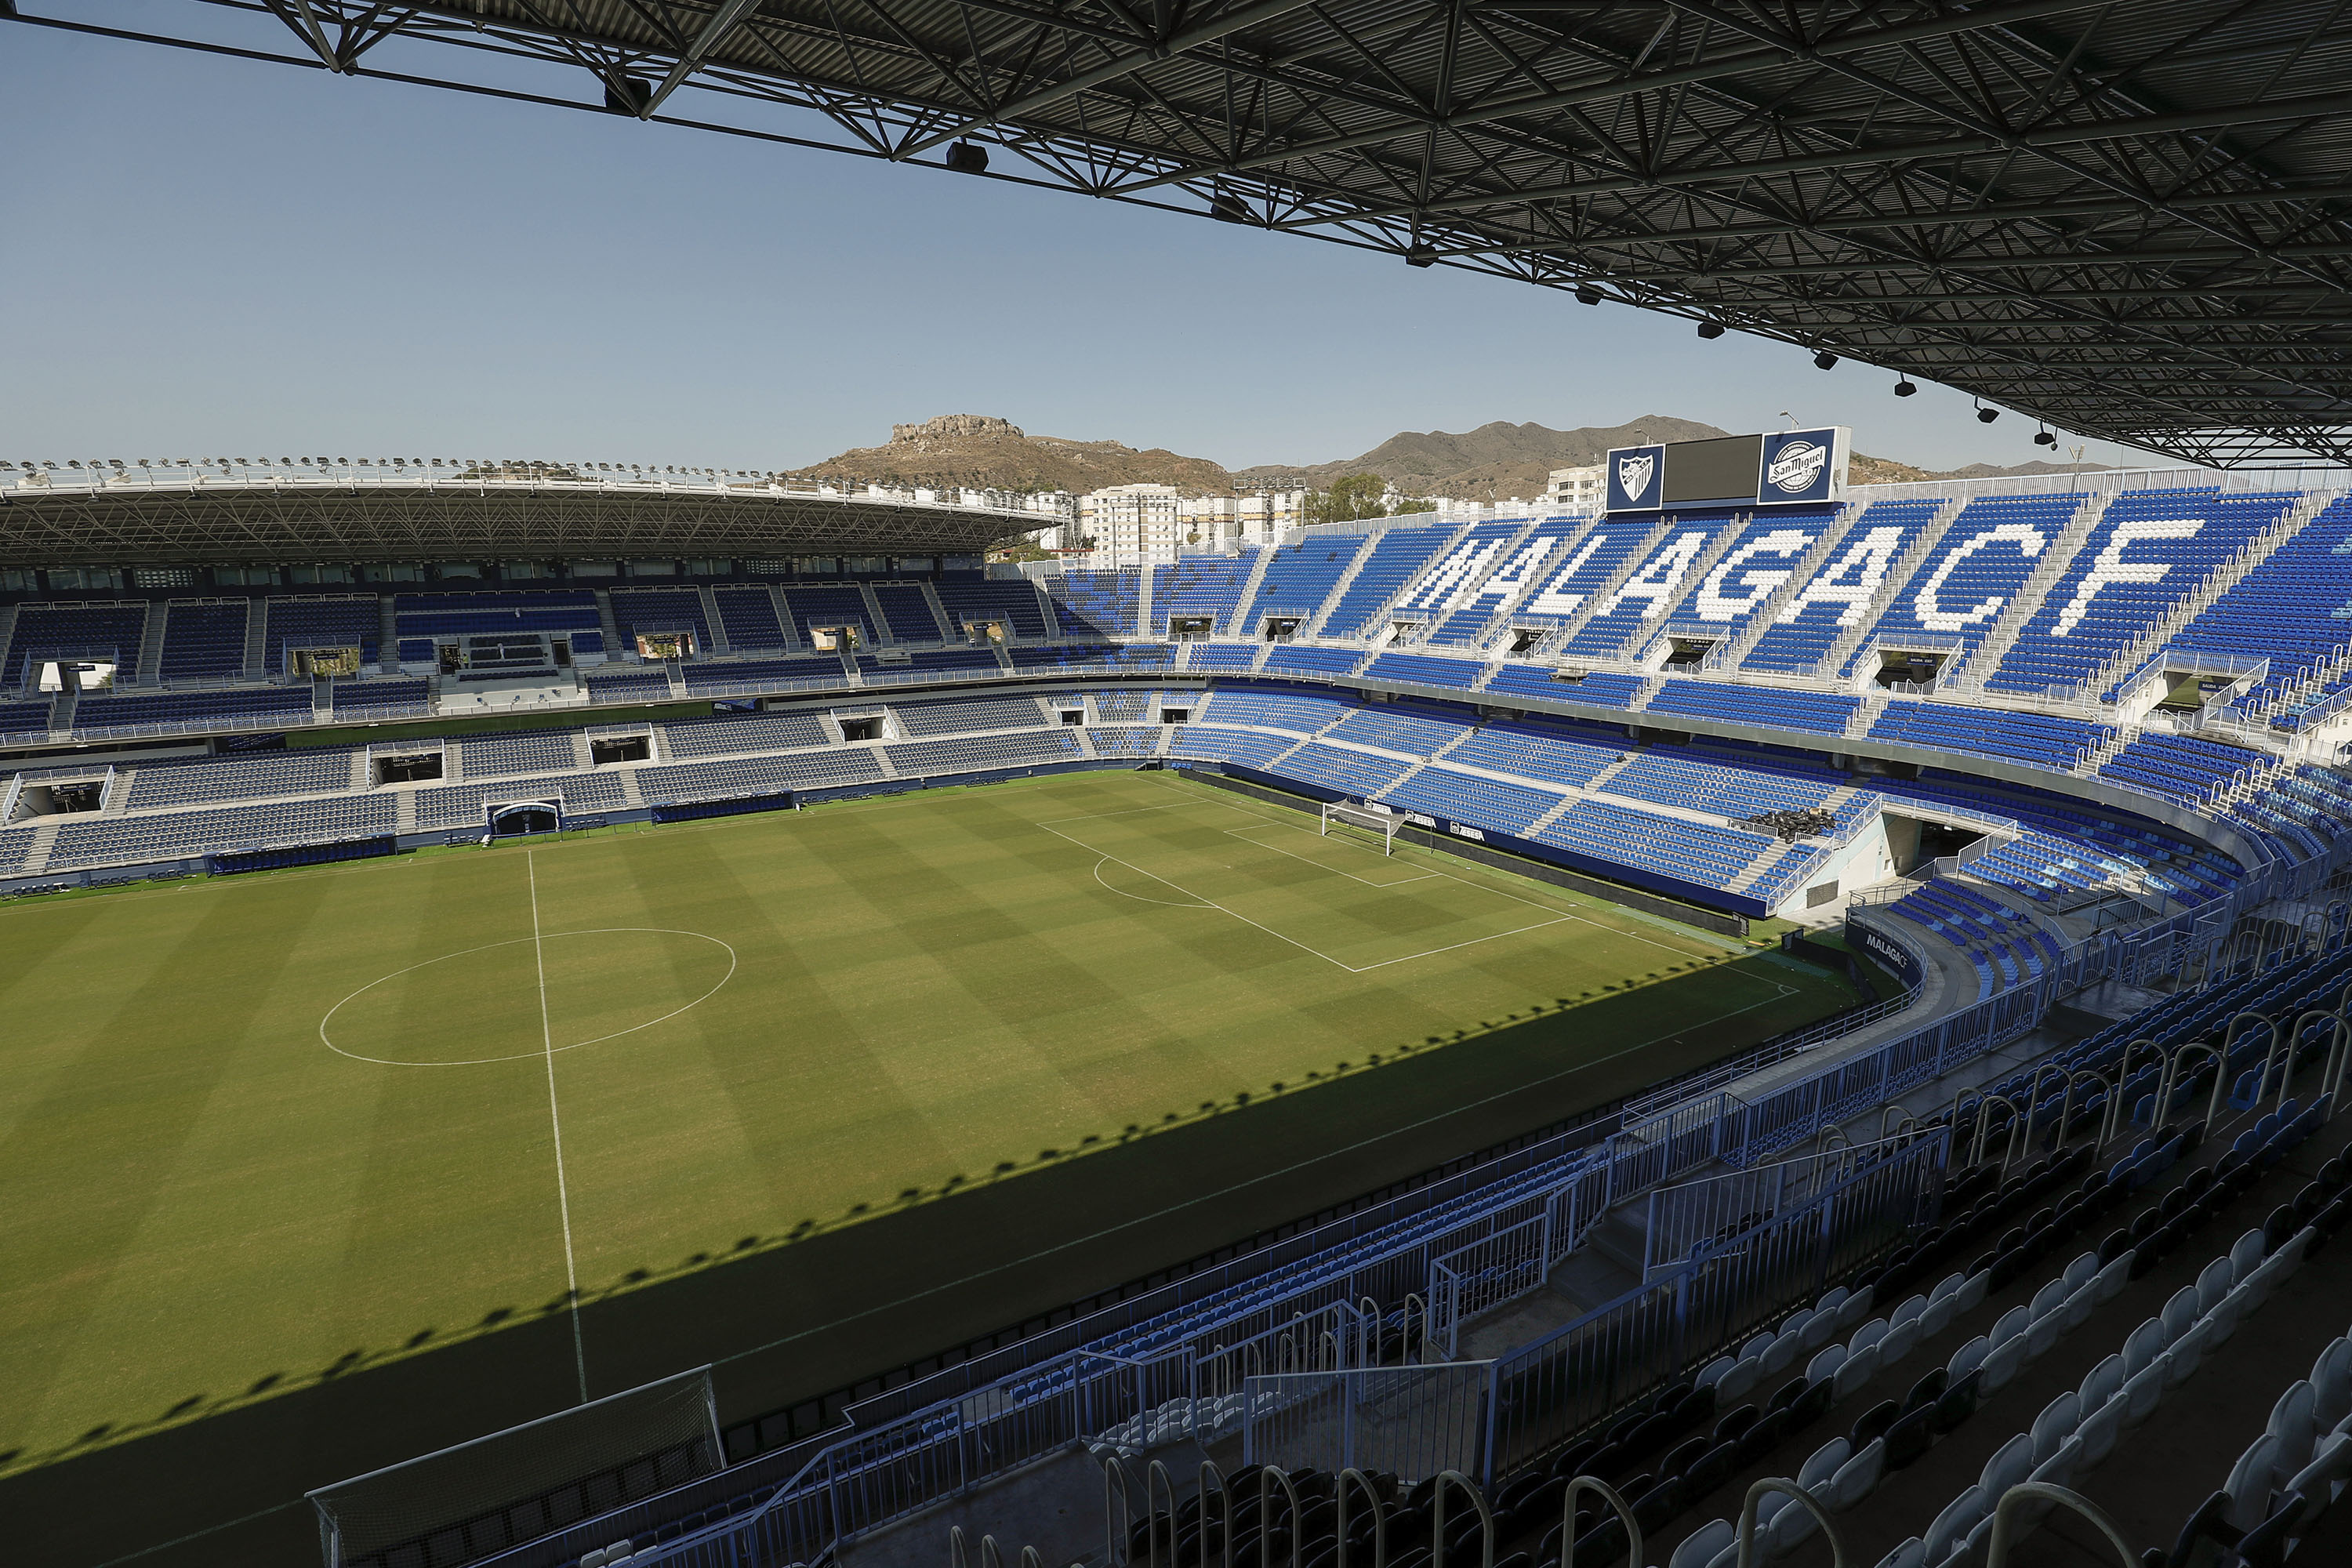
x=1783, y=467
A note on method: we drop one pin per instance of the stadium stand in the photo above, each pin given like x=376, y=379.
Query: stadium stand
x=1298, y=578
x=748, y=616
x=1424, y=669
x=931, y=759
x=2109, y=593
x=1829, y=713
x=1012, y=605
x=1201, y=586
x=738, y=736
x=955, y=718
x=1653, y=587
x=203, y=639
x=823, y=668
x=362, y=700
x=110, y=632
x=2042, y=740
x=343, y=620
x=638, y=612
x=1801, y=632
x=2287, y=609
x=502, y=756
x=907, y=612
x=1980, y=565
x=178, y=710
x=1099, y=605
x=316, y=771
x=1395, y=557
x=1515, y=566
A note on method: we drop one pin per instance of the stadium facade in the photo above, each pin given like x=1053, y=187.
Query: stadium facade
x=2029, y=738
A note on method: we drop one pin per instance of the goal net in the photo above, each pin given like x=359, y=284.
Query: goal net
x=479, y=1497
x=1361, y=823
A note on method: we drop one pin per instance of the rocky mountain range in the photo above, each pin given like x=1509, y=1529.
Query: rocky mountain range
x=1494, y=461
x=984, y=452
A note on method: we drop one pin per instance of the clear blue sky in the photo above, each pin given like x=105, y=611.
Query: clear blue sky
x=203, y=255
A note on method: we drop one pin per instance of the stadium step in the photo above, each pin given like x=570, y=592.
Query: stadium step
x=403, y=811
x=1237, y=618
x=613, y=648
x=257, y=638
x=1634, y=561
x=1340, y=587
x=387, y=648
x=36, y=853
x=61, y=712
x=783, y=619
x=720, y=641
x=1045, y=610
x=1764, y=863
x=949, y=631
x=145, y=668
x=883, y=636
x=1143, y=621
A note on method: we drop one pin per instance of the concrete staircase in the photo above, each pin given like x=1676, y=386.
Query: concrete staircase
x=257, y=638
x=1247, y=599
x=883, y=636
x=44, y=839
x=403, y=811
x=613, y=648
x=1764, y=864
x=720, y=643
x=784, y=619
x=1045, y=611
x=387, y=645
x=1340, y=587
x=146, y=669
x=1143, y=621
x=61, y=711
x=949, y=631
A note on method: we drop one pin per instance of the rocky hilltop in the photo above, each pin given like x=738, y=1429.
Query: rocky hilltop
x=984, y=452
x=1500, y=459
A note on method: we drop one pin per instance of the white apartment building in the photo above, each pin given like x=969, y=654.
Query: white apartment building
x=1580, y=489
x=1132, y=520
x=1157, y=520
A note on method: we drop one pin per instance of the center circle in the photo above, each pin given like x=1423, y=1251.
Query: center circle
x=528, y=996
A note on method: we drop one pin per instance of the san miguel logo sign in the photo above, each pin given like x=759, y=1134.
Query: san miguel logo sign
x=1797, y=467
x=1633, y=474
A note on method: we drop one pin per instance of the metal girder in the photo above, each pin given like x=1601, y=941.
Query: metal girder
x=1979, y=194
x=458, y=522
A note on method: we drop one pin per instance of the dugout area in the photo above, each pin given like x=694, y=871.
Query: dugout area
x=839, y=1089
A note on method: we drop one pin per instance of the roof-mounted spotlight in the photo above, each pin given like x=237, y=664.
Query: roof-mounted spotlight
x=1586, y=294
x=1227, y=208
x=1710, y=330
x=967, y=158
x=2044, y=438
x=1987, y=416
x=1826, y=361
x=1904, y=386
x=1421, y=255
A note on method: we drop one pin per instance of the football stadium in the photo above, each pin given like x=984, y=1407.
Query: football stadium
x=569, y=1015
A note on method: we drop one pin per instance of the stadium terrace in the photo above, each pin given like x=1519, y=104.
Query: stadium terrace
x=2043, y=772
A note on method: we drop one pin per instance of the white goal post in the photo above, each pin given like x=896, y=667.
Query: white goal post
x=1339, y=813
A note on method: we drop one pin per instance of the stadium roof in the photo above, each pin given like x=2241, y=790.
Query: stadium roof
x=353, y=514
x=2128, y=220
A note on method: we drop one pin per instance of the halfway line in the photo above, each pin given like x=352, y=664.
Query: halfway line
x=555, y=1120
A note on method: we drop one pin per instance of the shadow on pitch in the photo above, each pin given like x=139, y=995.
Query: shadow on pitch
x=791, y=1316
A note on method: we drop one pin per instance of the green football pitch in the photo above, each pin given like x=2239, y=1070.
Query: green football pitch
x=807, y=1094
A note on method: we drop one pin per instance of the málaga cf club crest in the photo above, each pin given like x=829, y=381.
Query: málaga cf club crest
x=1633, y=474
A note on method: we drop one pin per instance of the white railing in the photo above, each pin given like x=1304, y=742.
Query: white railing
x=2234, y=481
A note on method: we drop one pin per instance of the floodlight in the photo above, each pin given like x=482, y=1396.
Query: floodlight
x=1586, y=294
x=1227, y=209
x=1825, y=359
x=967, y=158
x=1710, y=330
x=1421, y=255
x=1903, y=387
x=1987, y=416
x=2044, y=438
